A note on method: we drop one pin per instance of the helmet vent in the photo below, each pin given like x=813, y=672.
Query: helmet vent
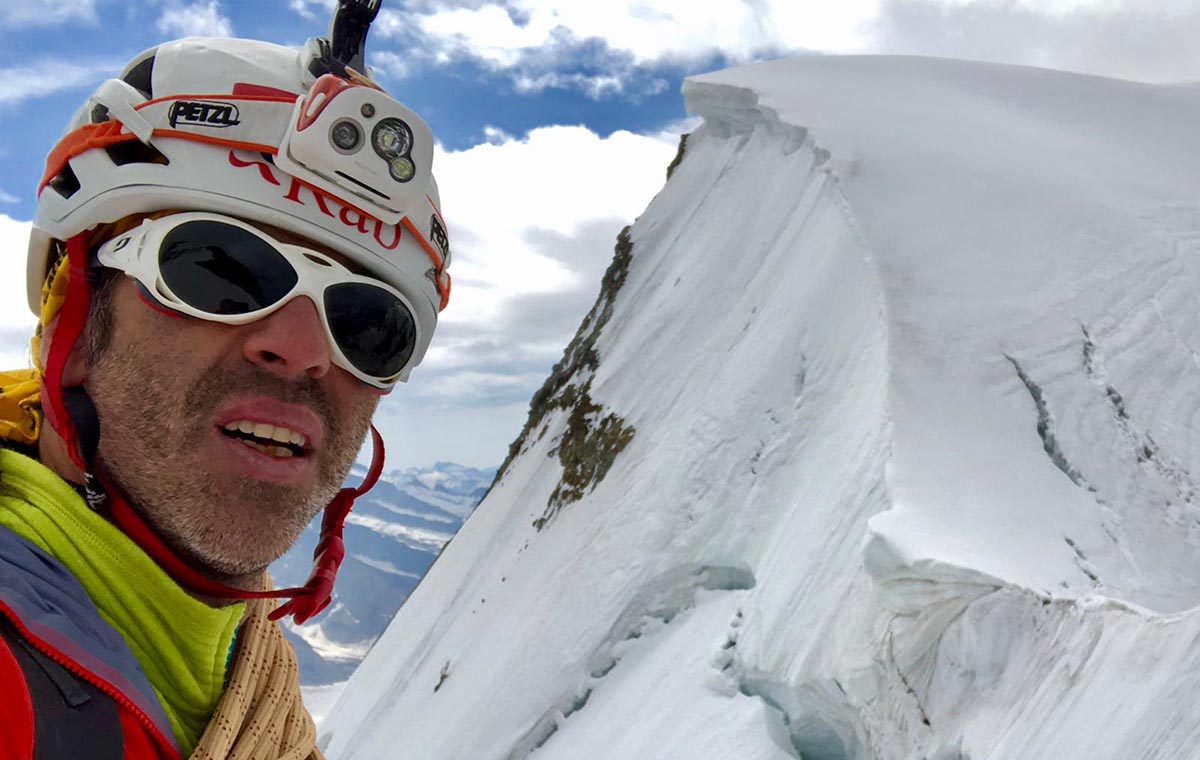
x=135, y=152
x=65, y=183
x=140, y=76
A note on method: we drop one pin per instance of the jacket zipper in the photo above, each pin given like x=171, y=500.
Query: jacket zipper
x=83, y=673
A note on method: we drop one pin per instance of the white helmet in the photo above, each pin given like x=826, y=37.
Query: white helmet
x=257, y=131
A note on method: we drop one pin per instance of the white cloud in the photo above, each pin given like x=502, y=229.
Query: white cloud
x=16, y=321
x=486, y=33
x=608, y=49
x=312, y=9
x=198, y=19
x=1064, y=7
x=595, y=86
x=605, y=49
x=495, y=135
x=47, y=77
x=1151, y=40
x=556, y=180
x=7, y=197
x=651, y=30
x=40, y=13
x=390, y=24
x=390, y=65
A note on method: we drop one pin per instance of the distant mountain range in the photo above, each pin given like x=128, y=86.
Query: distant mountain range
x=392, y=537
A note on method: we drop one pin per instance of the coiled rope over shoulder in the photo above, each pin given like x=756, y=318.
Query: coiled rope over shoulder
x=261, y=713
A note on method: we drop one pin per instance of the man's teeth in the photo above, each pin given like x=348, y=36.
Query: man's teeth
x=268, y=433
x=275, y=451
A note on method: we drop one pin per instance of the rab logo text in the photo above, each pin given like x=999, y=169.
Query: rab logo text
x=204, y=113
x=386, y=235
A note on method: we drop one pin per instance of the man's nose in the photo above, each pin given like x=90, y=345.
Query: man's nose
x=289, y=342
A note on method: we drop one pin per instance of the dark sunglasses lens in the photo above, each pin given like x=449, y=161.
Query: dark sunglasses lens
x=222, y=269
x=373, y=328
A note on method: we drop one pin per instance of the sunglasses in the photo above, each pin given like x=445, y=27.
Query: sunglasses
x=221, y=269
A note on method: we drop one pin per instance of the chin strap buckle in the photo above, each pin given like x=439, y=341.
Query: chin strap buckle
x=94, y=493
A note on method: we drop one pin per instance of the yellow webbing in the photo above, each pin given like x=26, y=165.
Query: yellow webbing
x=21, y=389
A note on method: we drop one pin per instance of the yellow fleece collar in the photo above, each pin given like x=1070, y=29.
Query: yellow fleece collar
x=182, y=644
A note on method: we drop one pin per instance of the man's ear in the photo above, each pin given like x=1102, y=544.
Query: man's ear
x=75, y=370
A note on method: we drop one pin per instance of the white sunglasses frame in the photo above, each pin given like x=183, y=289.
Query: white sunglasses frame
x=136, y=254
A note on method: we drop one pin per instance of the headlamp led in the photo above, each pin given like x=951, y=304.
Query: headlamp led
x=346, y=136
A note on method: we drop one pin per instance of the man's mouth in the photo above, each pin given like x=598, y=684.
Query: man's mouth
x=273, y=440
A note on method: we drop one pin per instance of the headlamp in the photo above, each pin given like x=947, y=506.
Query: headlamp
x=324, y=144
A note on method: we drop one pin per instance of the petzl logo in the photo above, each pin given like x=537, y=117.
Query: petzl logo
x=204, y=113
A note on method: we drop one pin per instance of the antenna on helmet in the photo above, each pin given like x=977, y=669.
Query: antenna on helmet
x=345, y=49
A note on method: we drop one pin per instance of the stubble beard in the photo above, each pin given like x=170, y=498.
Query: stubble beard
x=151, y=444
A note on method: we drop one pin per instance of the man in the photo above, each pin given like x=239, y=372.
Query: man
x=237, y=251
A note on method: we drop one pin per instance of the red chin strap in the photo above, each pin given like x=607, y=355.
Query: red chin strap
x=74, y=418
x=72, y=317
x=317, y=591
x=304, y=601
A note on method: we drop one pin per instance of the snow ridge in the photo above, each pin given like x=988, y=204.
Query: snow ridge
x=910, y=350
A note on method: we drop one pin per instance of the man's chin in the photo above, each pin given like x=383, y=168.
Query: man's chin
x=235, y=528
x=240, y=564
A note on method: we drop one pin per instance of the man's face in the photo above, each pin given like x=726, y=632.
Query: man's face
x=182, y=403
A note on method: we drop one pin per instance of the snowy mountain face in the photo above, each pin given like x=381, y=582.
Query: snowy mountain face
x=392, y=537
x=879, y=443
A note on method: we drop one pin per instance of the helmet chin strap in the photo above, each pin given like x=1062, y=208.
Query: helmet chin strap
x=71, y=413
x=72, y=317
x=317, y=591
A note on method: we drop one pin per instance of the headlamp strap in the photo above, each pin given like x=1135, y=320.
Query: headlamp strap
x=256, y=123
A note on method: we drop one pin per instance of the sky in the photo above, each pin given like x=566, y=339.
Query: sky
x=555, y=121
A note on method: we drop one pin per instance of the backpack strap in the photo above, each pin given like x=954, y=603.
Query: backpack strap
x=72, y=718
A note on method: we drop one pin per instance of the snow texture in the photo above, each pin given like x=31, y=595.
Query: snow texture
x=911, y=350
